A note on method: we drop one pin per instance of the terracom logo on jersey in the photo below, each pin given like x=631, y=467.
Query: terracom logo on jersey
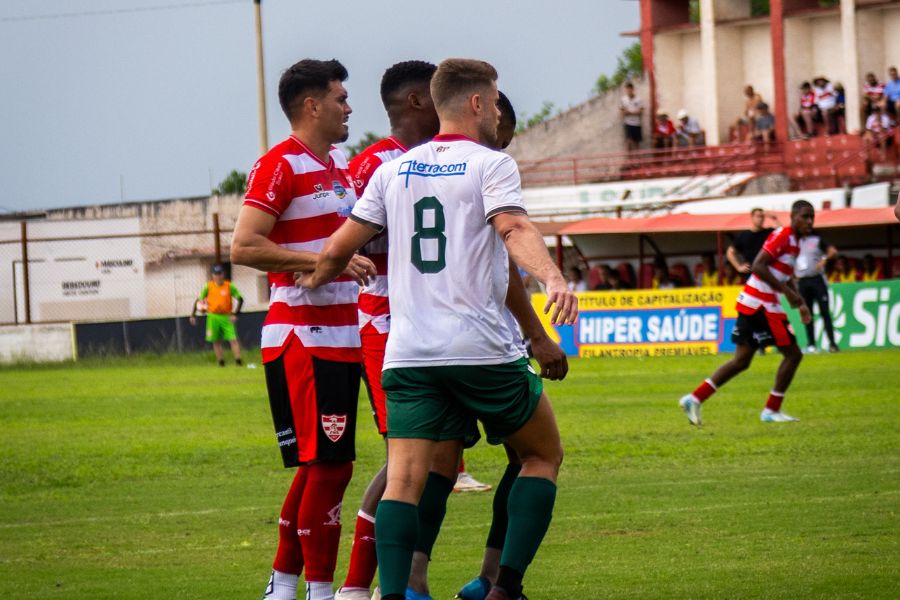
x=420, y=169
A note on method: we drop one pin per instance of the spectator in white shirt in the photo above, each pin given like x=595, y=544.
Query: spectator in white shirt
x=826, y=100
x=688, y=130
x=632, y=110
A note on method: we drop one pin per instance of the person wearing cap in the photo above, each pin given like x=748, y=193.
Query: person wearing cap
x=663, y=131
x=688, y=130
x=222, y=302
x=826, y=101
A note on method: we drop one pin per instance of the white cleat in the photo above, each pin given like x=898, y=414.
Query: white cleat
x=770, y=416
x=351, y=594
x=376, y=595
x=691, y=408
x=811, y=350
x=467, y=483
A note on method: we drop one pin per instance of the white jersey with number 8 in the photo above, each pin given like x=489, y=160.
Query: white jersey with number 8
x=448, y=270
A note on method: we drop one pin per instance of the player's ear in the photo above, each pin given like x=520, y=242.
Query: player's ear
x=311, y=106
x=413, y=99
x=476, y=103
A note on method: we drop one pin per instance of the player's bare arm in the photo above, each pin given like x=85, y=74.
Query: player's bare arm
x=788, y=288
x=526, y=248
x=736, y=262
x=547, y=353
x=339, y=256
x=252, y=247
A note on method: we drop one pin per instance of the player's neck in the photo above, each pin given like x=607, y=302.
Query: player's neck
x=470, y=130
x=315, y=142
x=409, y=134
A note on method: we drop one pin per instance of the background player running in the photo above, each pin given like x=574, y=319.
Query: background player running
x=761, y=319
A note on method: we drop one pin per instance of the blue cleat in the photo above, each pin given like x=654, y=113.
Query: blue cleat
x=477, y=589
x=412, y=594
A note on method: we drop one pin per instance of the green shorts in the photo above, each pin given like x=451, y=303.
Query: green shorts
x=440, y=403
x=219, y=327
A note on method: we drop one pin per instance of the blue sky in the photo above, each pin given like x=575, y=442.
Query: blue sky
x=105, y=100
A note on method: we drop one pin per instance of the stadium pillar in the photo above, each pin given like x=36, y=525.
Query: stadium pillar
x=261, y=81
x=217, y=234
x=780, y=108
x=647, y=51
x=26, y=285
x=851, y=66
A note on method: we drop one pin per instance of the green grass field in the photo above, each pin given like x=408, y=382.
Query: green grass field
x=157, y=478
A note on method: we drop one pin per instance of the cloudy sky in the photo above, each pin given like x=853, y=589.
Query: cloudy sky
x=105, y=100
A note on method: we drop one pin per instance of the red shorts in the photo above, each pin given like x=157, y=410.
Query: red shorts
x=313, y=404
x=373, y=344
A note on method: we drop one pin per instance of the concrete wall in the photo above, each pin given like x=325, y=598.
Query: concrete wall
x=592, y=127
x=679, y=74
x=36, y=343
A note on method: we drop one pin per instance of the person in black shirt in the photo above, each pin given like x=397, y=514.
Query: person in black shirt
x=747, y=244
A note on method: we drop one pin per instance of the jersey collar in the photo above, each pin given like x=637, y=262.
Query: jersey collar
x=452, y=137
x=313, y=154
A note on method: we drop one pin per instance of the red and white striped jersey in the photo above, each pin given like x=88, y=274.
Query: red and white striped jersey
x=311, y=200
x=874, y=92
x=783, y=247
x=374, y=307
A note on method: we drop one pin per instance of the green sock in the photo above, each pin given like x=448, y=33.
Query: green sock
x=530, y=510
x=497, y=534
x=396, y=530
x=432, y=508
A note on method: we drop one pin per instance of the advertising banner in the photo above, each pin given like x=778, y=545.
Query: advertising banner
x=865, y=315
x=698, y=321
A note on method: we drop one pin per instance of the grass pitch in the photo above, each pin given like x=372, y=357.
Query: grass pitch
x=158, y=478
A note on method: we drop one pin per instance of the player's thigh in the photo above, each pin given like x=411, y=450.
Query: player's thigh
x=503, y=396
x=229, y=333
x=419, y=406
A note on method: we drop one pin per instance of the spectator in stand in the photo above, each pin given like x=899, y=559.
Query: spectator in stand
x=826, y=101
x=730, y=275
x=873, y=94
x=688, y=130
x=871, y=269
x=709, y=277
x=748, y=118
x=892, y=92
x=576, y=280
x=605, y=273
x=843, y=271
x=663, y=131
x=764, y=125
x=806, y=118
x=615, y=281
x=661, y=279
x=747, y=244
x=877, y=124
x=632, y=110
x=840, y=108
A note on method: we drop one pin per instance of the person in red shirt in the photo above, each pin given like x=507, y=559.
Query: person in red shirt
x=761, y=321
x=664, y=131
x=805, y=119
x=298, y=194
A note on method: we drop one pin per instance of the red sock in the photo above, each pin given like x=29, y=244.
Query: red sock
x=289, y=557
x=462, y=465
x=704, y=390
x=363, y=558
x=774, y=401
x=319, y=519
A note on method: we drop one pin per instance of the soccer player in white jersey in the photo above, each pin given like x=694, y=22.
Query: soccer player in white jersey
x=454, y=214
x=762, y=321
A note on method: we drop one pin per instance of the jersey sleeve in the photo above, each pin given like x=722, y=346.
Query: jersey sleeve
x=268, y=186
x=234, y=292
x=777, y=242
x=370, y=209
x=204, y=292
x=501, y=186
x=362, y=167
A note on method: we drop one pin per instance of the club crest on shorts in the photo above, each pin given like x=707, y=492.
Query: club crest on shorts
x=334, y=426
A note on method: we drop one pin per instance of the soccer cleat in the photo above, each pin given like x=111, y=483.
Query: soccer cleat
x=376, y=595
x=467, y=483
x=691, y=408
x=353, y=594
x=833, y=349
x=770, y=416
x=811, y=349
x=477, y=589
x=412, y=594
x=498, y=593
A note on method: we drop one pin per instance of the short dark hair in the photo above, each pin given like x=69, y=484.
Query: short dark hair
x=308, y=75
x=458, y=76
x=506, y=109
x=800, y=205
x=405, y=73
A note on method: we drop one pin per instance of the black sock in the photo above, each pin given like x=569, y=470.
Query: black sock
x=511, y=581
x=221, y=363
x=238, y=362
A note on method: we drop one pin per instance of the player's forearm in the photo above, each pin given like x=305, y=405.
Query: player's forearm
x=519, y=304
x=526, y=248
x=240, y=303
x=259, y=252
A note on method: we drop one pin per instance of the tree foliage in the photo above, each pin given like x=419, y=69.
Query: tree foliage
x=364, y=142
x=234, y=183
x=525, y=121
x=630, y=64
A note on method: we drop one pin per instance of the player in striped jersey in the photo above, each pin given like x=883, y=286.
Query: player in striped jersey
x=298, y=194
x=761, y=319
x=454, y=214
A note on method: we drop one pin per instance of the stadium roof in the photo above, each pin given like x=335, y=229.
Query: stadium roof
x=686, y=223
